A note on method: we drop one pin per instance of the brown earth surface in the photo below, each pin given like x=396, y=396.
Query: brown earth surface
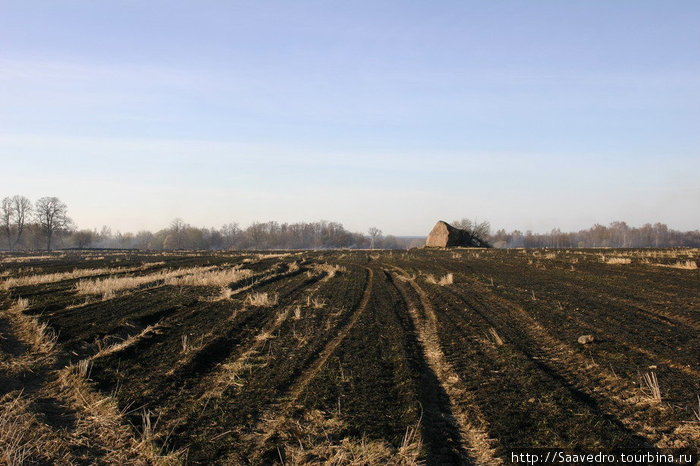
x=428, y=356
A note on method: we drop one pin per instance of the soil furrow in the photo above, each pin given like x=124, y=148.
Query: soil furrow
x=272, y=420
x=59, y=416
x=619, y=340
x=183, y=366
x=427, y=356
x=257, y=372
x=515, y=393
x=594, y=382
x=461, y=409
x=296, y=388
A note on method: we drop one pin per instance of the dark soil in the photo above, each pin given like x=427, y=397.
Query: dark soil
x=217, y=373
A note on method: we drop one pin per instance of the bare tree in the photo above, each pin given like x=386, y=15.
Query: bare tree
x=478, y=232
x=14, y=212
x=231, y=233
x=52, y=216
x=178, y=227
x=374, y=234
x=23, y=208
x=8, y=213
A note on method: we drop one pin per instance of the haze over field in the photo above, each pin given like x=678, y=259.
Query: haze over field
x=533, y=115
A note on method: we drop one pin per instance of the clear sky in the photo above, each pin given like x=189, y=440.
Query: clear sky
x=529, y=114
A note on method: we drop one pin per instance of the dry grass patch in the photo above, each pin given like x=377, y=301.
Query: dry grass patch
x=293, y=267
x=225, y=294
x=84, y=368
x=308, y=442
x=262, y=299
x=494, y=337
x=274, y=255
x=263, y=336
x=108, y=287
x=297, y=313
x=231, y=373
x=617, y=260
x=220, y=278
x=31, y=258
x=406, y=277
x=205, y=277
x=101, y=424
x=254, y=278
x=125, y=343
x=686, y=265
x=354, y=452
x=185, y=343
x=38, y=338
x=315, y=302
x=31, y=280
x=667, y=253
x=651, y=385
x=442, y=281
x=331, y=270
x=23, y=439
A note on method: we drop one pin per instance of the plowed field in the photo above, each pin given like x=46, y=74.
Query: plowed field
x=346, y=357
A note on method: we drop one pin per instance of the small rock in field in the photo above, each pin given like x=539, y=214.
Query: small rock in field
x=585, y=339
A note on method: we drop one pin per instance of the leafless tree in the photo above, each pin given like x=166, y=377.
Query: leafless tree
x=7, y=211
x=177, y=228
x=478, y=231
x=52, y=216
x=374, y=234
x=23, y=208
x=14, y=211
x=230, y=233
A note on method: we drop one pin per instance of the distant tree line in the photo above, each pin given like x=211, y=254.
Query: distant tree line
x=45, y=224
x=259, y=235
x=615, y=235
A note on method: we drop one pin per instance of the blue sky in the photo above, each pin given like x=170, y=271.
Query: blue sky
x=532, y=115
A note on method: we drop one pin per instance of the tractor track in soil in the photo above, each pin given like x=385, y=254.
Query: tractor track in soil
x=263, y=376
x=380, y=352
x=607, y=301
x=233, y=330
x=62, y=419
x=298, y=386
x=276, y=415
x=623, y=302
x=254, y=343
x=475, y=446
x=524, y=381
x=618, y=325
x=616, y=400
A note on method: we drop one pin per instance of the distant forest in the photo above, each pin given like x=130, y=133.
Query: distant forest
x=615, y=235
x=46, y=225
